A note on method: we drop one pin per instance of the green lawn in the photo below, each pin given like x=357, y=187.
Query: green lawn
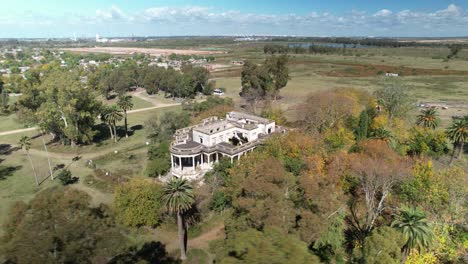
x=9, y=122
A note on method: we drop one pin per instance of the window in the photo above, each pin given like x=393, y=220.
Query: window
x=201, y=140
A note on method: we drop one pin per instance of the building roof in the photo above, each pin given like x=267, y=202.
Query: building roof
x=239, y=115
x=214, y=127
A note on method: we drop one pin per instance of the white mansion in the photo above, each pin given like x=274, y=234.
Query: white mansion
x=198, y=147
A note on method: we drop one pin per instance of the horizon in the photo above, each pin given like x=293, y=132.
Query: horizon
x=400, y=19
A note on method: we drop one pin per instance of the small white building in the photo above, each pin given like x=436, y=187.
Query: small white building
x=195, y=149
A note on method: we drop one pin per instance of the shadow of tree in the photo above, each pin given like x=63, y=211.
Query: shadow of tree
x=7, y=149
x=6, y=171
x=151, y=252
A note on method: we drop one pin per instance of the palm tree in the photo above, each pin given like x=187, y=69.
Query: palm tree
x=125, y=103
x=25, y=143
x=113, y=115
x=103, y=117
x=179, y=198
x=413, y=224
x=383, y=134
x=428, y=118
x=458, y=134
x=43, y=128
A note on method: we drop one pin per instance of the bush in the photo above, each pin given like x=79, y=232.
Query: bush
x=66, y=178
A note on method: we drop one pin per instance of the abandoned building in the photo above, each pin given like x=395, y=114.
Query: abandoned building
x=196, y=148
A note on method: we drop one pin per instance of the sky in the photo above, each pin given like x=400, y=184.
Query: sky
x=124, y=18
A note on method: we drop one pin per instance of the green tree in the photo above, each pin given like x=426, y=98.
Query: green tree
x=125, y=103
x=66, y=178
x=59, y=225
x=428, y=118
x=458, y=134
x=138, y=203
x=113, y=115
x=4, y=98
x=393, y=97
x=159, y=160
x=270, y=246
x=362, y=132
x=413, y=224
x=179, y=199
x=25, y=143
x=278, y=68
x=383, y=246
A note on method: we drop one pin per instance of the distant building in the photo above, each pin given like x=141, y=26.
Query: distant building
x=195, y=149
x=390, y=74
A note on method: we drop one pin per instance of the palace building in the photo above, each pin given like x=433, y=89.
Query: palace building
x=196, y=148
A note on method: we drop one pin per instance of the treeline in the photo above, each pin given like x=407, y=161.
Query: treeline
x=377, y=42
x=184, y=84
x=299, y=49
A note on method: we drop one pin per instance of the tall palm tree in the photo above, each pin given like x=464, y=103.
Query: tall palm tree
x=458, y=134
x=428, y=118
x=179, y=198
x=125, y=103
x=25, y=143
x=113, y=115
x=413, y=224
x=43, y=128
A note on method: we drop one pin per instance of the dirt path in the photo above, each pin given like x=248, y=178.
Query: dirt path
x=16, y=131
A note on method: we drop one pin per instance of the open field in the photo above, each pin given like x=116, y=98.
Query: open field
x=151, y=51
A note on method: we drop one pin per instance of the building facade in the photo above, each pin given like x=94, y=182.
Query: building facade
x=196, y=148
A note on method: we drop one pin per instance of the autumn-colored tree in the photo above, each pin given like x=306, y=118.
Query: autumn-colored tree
x=377, y=169
x=262, y=191
x=325, y=110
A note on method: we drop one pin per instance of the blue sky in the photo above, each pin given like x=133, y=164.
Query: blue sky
x=86, y=18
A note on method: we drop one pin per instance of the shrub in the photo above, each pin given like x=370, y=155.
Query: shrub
x=65, y=177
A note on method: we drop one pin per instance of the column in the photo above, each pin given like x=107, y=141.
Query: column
x=172, y=161
x=193, y=162
x=208, y=158
x=232, y=160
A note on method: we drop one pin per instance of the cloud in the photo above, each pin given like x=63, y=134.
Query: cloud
x=112, y=13
x=202, y=20
x=383, y=13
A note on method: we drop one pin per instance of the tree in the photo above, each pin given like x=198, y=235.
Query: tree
x=25, y=143
x=393, y=98
x=159, y=160
x=138, y=203
x=383, y=246
x=179, y=199
x=270, y=246
x=4, y=98
x=413, y=224
x=325, y=110
x=428, y=118
x=68, y=109
x=113, y=115
x=278, y=69
x=362, y=132
x=256, y=83
x=59, y=225
x=458, y=134
x=125, y=103
x=66, y=178
x=377, y=169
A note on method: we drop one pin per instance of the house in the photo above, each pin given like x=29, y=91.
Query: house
x=196, y=148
